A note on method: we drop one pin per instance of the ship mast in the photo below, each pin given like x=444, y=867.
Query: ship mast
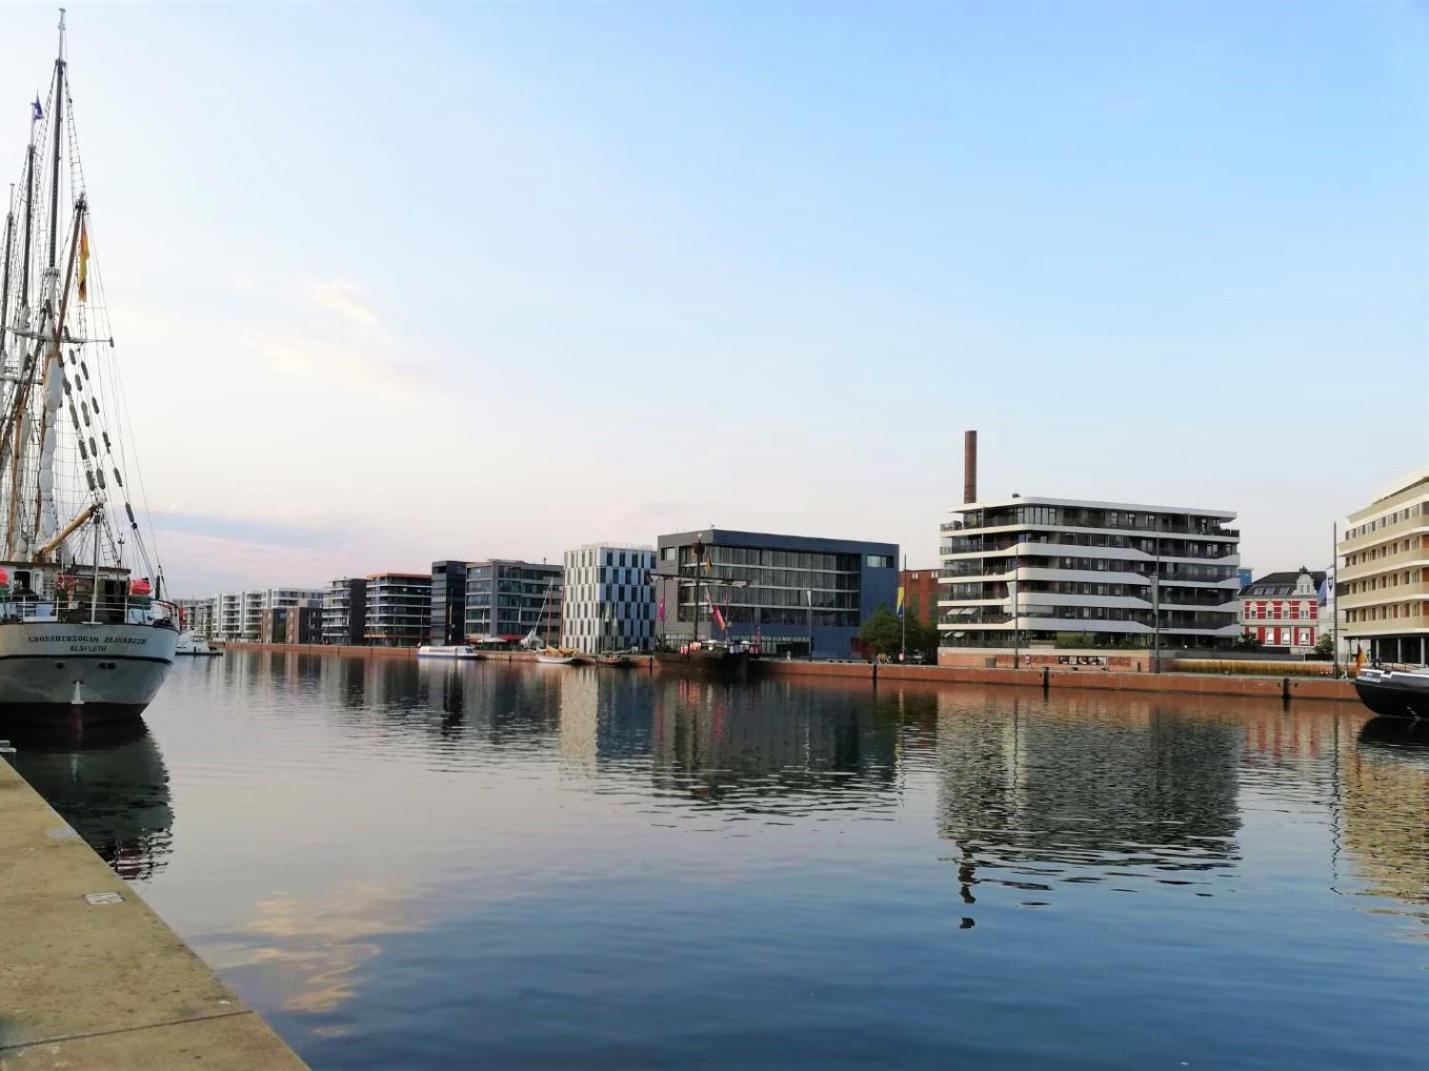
x=46, y=518
x=5, y=286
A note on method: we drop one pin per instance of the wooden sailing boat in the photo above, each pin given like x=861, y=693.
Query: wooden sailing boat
x=80, y=633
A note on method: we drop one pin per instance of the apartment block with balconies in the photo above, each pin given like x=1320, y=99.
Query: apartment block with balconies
x=1382, y=578
x=229, y=623
x=1053, y=572
x=399, y=607
x=344, y=620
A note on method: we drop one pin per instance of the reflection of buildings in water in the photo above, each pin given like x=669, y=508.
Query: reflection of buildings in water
x=578, y=688
x=1385, y=799
x=311, y=951
x=343, y=681
x=107, y=781
x=1104, y=781
x=768, y=739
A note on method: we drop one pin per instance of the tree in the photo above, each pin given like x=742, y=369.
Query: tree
x=1325, y=647
x=1246, y=641
x=883, y=634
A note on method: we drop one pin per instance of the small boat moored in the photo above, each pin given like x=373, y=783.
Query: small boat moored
x=189, y=644
x=554, y=656
x=1398, y=693
x=459, y=650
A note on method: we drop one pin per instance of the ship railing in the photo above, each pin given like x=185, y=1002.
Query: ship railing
x=78, y=610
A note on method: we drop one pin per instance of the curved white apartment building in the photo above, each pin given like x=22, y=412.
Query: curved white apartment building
x=1090, y=573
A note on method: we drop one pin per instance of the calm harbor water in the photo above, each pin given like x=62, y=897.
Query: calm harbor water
x=513, y=866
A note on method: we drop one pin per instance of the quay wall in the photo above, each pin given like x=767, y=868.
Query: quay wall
x=90, y=976
x=1086, y=678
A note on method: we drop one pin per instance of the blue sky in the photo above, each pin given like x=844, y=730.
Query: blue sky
x=402, y=283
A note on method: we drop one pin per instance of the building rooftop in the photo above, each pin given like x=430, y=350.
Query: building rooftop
x=1088, y=503
x=1273, y=584
x=731, y=537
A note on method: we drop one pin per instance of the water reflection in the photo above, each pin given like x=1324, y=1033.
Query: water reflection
x=108, y=781
x=521, y=864
x=723, y=746
x=1033, y=797
x=1386, y=810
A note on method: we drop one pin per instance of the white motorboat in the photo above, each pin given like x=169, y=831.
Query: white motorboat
x=189, y=644
x=82, y=637
x=460, y=651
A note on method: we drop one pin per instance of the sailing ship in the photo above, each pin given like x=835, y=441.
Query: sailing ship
x=84, y=632
x=720, y=659
x=547, y=655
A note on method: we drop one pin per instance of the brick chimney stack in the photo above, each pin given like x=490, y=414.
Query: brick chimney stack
x=969, y=467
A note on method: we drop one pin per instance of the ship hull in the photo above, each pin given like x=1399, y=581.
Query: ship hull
x=90, y=673
x=710, y=665
x=1394, y=694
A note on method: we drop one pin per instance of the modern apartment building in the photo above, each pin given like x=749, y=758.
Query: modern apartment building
x=790, y=594
x=1283, y=610
x=199, y=616
x=399, y=608
x=506, y=599
x=609, y=600
x=239, y=614
x=1029, y=572
x=447, y=618
x=1024, y=576
x=292, y=624
x=344, y=619
x=1383, y=573
x=229, y=625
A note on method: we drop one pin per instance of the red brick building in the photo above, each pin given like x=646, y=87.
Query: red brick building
x=920, y=594
x=1282, y=610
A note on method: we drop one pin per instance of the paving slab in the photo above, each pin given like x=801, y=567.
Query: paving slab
x=90, y=976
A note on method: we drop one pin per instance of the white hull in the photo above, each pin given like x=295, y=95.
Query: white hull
x=556, y=660
x=458, y=651
x=189, y=644
x=82, y=671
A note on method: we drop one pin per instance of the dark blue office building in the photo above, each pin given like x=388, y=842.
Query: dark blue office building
x=788, y=592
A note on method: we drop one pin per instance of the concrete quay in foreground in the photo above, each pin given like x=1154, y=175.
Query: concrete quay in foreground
x=90, y=976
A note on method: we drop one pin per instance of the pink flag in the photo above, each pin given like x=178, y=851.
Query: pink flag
x=660, y=610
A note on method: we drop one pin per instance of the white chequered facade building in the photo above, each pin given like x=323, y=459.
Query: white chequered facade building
x=609, y=600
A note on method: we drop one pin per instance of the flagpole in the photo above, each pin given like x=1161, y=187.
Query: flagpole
x=903, y=612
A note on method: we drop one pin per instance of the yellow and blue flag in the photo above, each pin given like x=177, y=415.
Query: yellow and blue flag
x=900, y=600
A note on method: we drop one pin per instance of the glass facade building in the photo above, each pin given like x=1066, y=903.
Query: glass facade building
x=792, y=594
x=505, y=600
x=447, y=620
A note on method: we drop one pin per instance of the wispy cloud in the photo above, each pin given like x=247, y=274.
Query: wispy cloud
x=342, y=342
x=343, y=297
x=247, y=530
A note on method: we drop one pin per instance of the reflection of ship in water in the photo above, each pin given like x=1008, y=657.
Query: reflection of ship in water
x=751, y=745
x=1094, y=792
x=1385, y=794
x=108, y=782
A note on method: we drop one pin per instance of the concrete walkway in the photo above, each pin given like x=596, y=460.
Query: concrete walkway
x=90, y=977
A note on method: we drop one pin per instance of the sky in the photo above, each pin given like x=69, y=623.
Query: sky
x=398, y=283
